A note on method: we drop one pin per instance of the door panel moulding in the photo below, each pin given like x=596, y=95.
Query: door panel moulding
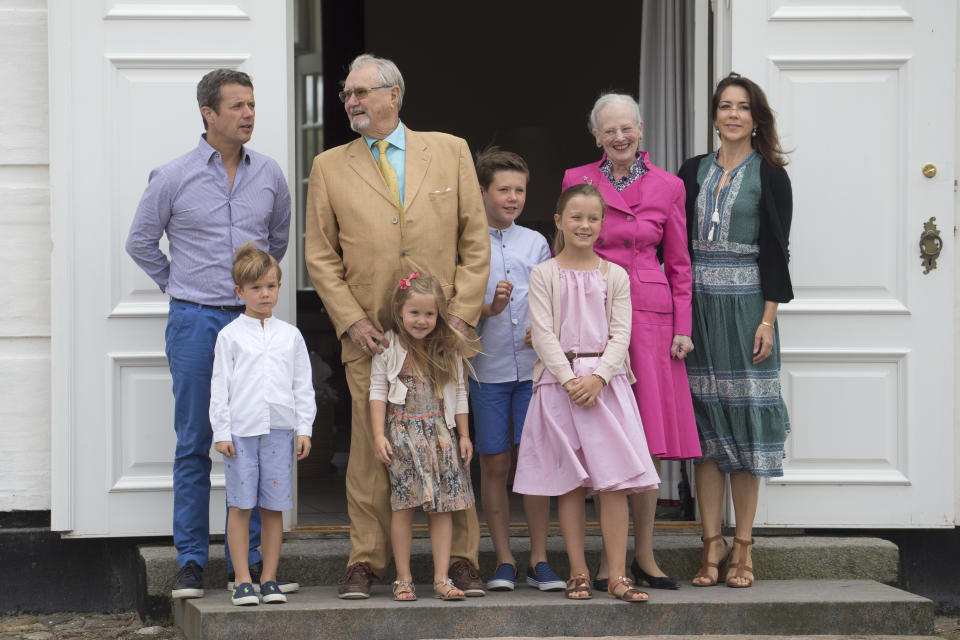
x=175, y=11
x=785, y=12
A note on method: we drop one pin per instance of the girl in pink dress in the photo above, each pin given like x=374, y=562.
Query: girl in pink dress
x=583, y=432
x=644, y=226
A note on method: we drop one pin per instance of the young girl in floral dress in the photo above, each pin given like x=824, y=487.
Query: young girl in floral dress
x=418, y=408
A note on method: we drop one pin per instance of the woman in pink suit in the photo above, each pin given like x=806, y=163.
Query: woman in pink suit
x=644, y=225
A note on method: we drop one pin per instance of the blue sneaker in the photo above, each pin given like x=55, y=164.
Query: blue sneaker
x=503, y=579
x=270, y=592
x=286, y=586
x=244, y=595
x=189, y=581
x=542, y=577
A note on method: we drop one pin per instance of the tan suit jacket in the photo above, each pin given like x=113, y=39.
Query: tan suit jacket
x=355, y=246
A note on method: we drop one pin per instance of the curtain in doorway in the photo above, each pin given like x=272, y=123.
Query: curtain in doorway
x=666, y=81
x=666, y=104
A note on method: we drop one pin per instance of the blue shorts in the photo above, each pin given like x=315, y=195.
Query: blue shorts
x=492, y=404
x=261, y=472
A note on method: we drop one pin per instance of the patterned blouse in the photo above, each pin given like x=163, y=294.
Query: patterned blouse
x=637, y=169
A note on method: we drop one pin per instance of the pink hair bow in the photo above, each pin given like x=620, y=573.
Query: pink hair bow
x=405, y=282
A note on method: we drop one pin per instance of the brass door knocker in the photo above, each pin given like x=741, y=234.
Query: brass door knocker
x=930, y=245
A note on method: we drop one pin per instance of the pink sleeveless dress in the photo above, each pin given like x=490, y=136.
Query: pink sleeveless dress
x=564, y=446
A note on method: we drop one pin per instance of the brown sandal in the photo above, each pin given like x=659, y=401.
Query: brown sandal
x=446, y=590
x=579, y=584
x=630, y=594
x=740, y=566
x=404, y=591
x=706, y=565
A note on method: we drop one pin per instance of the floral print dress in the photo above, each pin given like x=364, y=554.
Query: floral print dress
x=425, y=469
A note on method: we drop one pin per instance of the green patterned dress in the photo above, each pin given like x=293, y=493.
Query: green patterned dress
x=741, y=416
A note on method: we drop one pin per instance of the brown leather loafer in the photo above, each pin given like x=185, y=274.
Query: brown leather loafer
x=465, y=578
x=355, y=582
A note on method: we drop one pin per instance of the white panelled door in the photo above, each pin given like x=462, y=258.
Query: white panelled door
x=865, y=94
x=123, y=79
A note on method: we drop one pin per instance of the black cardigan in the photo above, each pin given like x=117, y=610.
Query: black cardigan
x=776, y=211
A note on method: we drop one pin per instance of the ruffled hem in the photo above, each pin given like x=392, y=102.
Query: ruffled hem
x=754, y=446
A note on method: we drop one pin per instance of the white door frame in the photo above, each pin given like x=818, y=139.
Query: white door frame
x=106, y=61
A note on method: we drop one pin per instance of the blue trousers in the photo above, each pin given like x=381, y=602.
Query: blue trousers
x=190, y=338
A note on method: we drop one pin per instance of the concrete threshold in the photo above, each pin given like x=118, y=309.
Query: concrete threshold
x=771, y=607
x=321, y=562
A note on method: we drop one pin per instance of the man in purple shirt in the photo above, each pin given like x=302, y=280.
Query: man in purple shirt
x=209, y=202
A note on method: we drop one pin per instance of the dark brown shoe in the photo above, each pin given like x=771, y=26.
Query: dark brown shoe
x=465, y=577
x=355, y=582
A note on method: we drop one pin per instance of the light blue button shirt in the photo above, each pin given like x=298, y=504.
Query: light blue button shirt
x=396, y=153
x=514, y=252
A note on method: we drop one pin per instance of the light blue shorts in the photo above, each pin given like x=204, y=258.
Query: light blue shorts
x=261, y=472
x=493, y=404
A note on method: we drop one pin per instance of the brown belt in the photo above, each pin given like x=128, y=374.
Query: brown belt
x=573, y=355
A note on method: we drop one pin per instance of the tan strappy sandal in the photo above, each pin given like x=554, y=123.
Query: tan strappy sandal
x=446, y=590
x=404, y=591
x=578, y=587
x=706, y=565
x=740, y=566
x=630, y=594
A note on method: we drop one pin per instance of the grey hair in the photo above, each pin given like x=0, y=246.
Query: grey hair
x=208, y=89
x=387, y=70
x=605, y=101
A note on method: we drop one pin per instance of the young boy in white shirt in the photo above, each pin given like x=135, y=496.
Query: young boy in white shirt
x=261, y=395
x=501, y=383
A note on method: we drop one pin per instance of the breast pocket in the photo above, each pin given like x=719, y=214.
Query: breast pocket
x=649, y=291
x=443, y=200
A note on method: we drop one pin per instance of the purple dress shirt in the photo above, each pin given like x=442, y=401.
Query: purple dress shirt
x=190, y=199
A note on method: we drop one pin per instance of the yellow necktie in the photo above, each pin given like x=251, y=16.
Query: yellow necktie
x=389, y=175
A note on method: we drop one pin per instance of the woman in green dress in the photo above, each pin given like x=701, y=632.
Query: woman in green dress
x=739, y=205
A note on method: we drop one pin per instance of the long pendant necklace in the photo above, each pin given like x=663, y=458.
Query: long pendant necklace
x=715, y=218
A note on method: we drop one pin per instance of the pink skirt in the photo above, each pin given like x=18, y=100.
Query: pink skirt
x=564, y=446
x=662, y=389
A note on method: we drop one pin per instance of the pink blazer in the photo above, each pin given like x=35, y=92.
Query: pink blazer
x=647, y=214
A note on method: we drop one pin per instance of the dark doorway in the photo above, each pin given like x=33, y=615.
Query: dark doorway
x=521, y=75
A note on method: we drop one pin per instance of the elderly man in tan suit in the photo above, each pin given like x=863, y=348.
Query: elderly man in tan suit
x=391, y=202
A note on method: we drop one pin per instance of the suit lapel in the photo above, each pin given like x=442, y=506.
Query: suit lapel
x=611, y=196
x=633, y=194
x=415, y=170
x=361, y=160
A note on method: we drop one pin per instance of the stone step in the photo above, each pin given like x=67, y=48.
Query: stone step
x=771, y=607
x=318, y=562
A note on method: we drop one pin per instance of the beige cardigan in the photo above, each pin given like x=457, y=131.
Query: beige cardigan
x=385, y=382
x=545, y=322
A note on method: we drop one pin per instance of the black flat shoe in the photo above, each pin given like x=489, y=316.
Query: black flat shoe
x=665, y=582
x=600, y=584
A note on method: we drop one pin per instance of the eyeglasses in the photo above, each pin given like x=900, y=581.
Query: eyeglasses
x=612, y=132
x=360, y=92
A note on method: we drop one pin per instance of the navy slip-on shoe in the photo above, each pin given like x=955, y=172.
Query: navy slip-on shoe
x=542, y=577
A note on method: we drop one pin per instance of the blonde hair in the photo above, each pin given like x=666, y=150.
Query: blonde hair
x=251, y=263
x=579, y=189
x=442, y=349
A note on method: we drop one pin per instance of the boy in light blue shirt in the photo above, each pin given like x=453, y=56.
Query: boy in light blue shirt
x=501, y=385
